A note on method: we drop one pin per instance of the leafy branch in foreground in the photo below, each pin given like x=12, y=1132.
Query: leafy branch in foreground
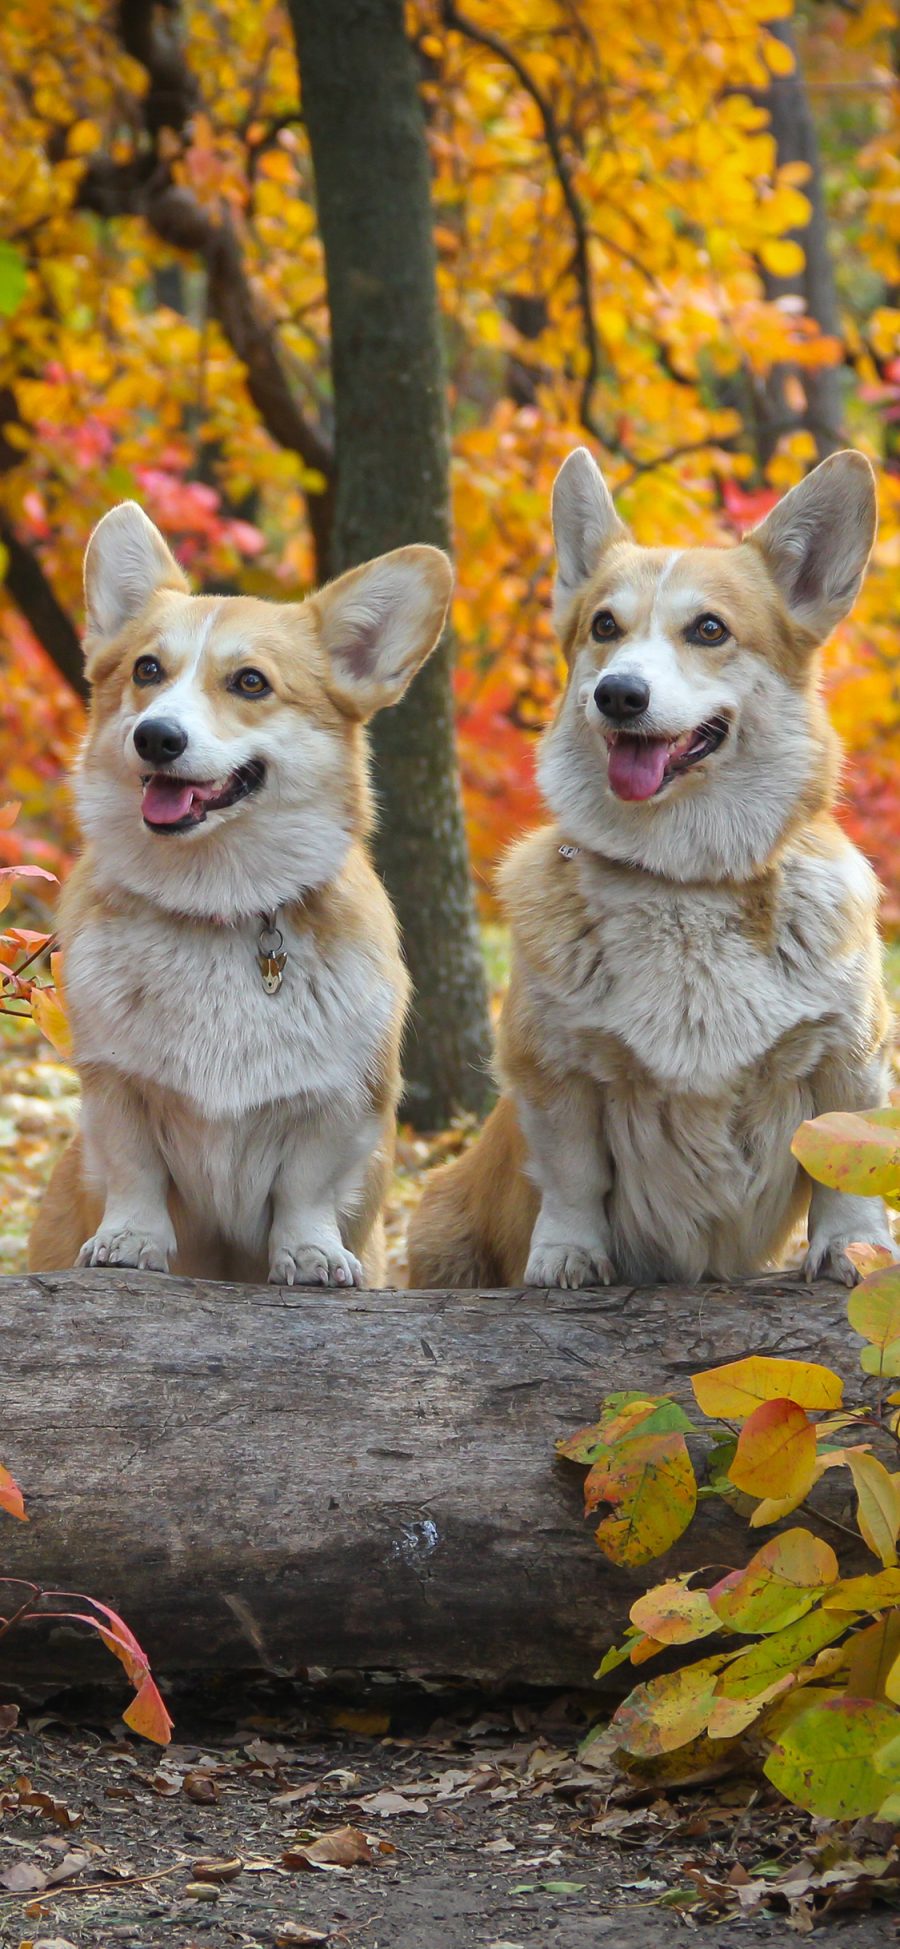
x=147, y=1713
x=808, y=1659
x=22, y=950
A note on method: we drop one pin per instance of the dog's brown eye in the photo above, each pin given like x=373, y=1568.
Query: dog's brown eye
x=604, y=626
x=147, y=670
x=250, y=683
x=708, y=629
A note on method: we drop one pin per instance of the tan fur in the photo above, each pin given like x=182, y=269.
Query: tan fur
x=229, y=1133
x=650, y=1102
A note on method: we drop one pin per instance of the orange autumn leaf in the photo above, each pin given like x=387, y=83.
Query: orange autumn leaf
x=11, y=1498
x=48, y=1007
x=147, y=1713
x=9, y=874
x=776, y=1452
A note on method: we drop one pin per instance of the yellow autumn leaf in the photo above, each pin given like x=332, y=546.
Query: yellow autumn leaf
x=856, y=1151
x=783, y=1581
x=668, y=1711
x=782, y=256
x=83, y=138
x=778, y=56
x=872, y=1593
x=877, y=1512
x=733, y=1392
x=651, y=1487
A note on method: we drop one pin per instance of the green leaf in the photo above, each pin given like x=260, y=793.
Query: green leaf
x=622, y=1417
x=887, y=1759
x=825, y=1759
x=718, y=1463
x=881, y=1361
x=13, y=279
x=874, y=1311
x=617, y=1654
x=780, y=1655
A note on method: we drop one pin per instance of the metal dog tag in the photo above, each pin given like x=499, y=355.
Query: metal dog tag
x=271, y=954
x=271, y=967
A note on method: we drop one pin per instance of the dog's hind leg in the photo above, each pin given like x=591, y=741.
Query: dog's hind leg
x=68, y=1214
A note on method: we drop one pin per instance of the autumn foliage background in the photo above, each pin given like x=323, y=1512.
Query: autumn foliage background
x=625, y=255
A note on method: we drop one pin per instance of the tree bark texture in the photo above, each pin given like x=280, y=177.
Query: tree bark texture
x=257, y=1476
x=367, y=134
x=796, y=140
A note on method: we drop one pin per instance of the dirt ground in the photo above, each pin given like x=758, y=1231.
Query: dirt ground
x=477, y=1827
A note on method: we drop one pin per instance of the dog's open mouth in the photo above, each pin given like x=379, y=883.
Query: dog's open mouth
x=639, y=767
x=171, y=804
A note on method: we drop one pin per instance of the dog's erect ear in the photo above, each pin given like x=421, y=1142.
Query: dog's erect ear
x=817, y=541
x=126, y=561
x=584, y=522
x=378, y=623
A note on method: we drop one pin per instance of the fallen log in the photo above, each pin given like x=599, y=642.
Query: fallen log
x=263, y=1477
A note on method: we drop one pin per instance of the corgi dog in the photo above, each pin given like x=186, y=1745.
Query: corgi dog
x=232, y=965
x=695, y=957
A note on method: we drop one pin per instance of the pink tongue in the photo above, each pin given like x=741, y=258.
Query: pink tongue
x=636, y=766
x=166, y=800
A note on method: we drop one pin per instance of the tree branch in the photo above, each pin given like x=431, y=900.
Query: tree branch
x=34, y=597
x=144, y=187
x=485, y=37
x=25, y=580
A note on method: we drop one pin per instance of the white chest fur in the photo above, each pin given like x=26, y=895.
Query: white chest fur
x=181, y=1004
x=683, y=979
x=704, y=1015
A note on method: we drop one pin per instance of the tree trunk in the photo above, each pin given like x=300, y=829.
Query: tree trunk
x=277, y=1478
x=796, y=140
x=367, y=133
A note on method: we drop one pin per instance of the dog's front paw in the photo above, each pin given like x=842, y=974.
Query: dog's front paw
x=314, y=1265
x=568, y=1265
x=124, y=1245
x=827, y=1259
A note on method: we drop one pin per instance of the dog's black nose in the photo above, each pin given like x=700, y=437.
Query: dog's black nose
x=622, y=695
x=159, y=739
